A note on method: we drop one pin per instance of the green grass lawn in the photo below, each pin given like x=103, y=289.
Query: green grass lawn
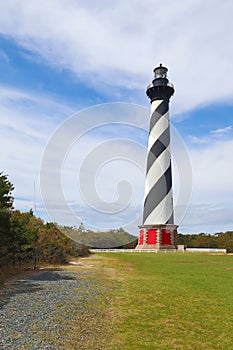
x=172, y=301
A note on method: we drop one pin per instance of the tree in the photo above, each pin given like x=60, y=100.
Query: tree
x=6, y=188
x=6, y=204
x=54, y=247
x=24, y=231
x=225, y=240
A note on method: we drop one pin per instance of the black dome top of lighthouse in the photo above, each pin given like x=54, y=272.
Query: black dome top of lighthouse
x=160, y=88
x=160, y=72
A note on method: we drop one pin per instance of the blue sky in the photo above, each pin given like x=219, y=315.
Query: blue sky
x=60, y=58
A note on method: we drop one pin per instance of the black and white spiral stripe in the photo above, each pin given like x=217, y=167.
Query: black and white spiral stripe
x=158, y=204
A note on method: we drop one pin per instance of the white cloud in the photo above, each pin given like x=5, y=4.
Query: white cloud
x=26, y=122
x=31, y=102
x=212, y=200
x=225, y=130
x=221, y=134
x=209, y=218
x=199, y=140
x=213, y=170
x=85, y=172
x=119, y=43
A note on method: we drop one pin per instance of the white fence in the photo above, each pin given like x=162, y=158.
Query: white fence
x=190, y=250
x=207, y=250
x=114, y=250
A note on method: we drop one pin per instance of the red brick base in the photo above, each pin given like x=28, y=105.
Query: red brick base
x=157, y=237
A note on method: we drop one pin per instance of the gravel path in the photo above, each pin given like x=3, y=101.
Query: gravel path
x=52, y=310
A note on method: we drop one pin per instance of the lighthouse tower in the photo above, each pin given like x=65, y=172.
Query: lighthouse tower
x=158, y=230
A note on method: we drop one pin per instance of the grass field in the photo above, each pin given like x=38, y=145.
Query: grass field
x=171, y=301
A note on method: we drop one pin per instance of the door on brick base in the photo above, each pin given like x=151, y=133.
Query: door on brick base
x=152, y=237
x=166, y=237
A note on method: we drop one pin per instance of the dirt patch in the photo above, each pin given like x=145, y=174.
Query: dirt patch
x=15, y=274
x=210, y=262
x=200, y=262
x=18, y=274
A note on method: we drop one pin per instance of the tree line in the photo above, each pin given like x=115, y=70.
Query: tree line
x=113, y=238
x=119, y=238
x=221, y=240
x=25, y=238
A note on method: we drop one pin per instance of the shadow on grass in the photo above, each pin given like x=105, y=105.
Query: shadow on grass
x=31, y=283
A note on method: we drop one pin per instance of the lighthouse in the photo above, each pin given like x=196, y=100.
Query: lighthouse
x=158, y=230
